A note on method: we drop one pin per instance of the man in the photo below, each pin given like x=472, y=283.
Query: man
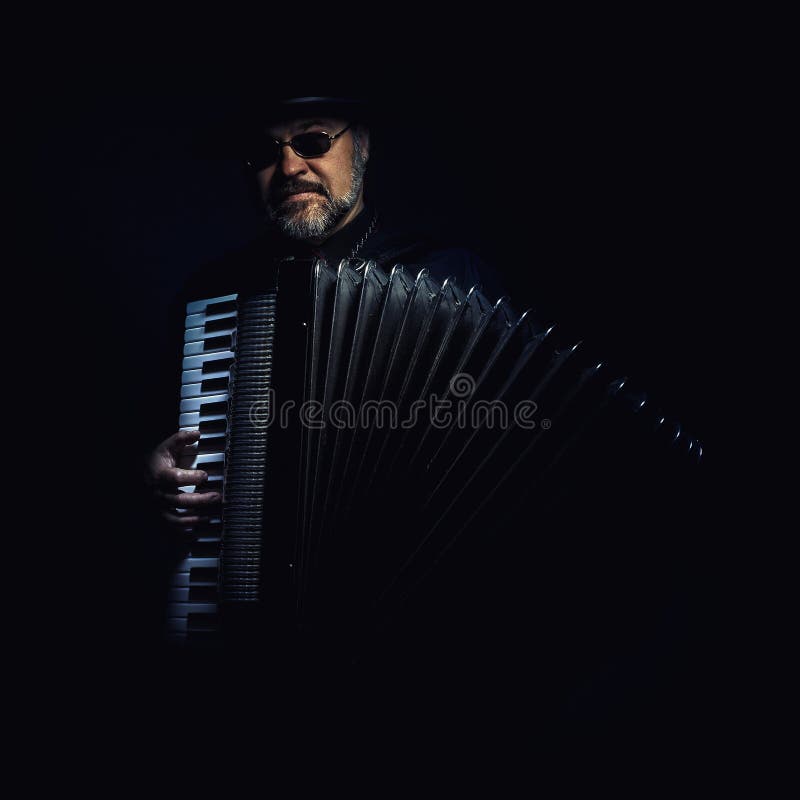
x=308, y=161
x=307, y=158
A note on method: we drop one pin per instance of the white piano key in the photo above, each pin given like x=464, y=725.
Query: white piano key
x=192, y=456
x=193, y=348
x=194, y=418
x=196, y=362
x=196, y=390
x=209, y=458
x=198, y=376
x=189, y=489
x=198, y=584
x=184, y=609
x=197, y=306
x=199, y=320
x=206, y=439
x=198, y=348
x=202, y=461
x=191, y=562
x=192, y=390
x=199, y=335
x=197, y=403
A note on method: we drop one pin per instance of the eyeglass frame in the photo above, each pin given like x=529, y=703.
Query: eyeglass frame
x=288, y=143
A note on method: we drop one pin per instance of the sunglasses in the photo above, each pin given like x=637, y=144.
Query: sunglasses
x=314, y=144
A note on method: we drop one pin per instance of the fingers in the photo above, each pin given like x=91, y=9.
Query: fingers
x=173, y=477
x=199, y=505
x=178, y=441
x=190, y=500
x=167, y=479
x=182, y=520
x=161, y=463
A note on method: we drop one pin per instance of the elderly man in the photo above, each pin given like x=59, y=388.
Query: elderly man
x=307, y=158
x=559, y=592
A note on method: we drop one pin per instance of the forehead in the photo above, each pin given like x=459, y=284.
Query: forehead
x=290, y=127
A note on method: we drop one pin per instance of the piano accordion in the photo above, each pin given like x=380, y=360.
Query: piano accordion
x=364, y=425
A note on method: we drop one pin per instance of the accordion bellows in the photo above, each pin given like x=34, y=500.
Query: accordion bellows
x=365, y=425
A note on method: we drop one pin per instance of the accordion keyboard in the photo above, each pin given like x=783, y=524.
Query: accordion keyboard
x=208, y=352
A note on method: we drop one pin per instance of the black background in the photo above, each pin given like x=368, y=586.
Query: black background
x=597, y=180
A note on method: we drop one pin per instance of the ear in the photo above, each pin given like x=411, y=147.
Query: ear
x=363, y=137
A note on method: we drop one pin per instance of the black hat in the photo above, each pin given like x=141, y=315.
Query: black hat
x=229, y=133
x=352, y=108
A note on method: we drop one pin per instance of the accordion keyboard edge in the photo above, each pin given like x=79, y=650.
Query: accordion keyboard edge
x=208, y=355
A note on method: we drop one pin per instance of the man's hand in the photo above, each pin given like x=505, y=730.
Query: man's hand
x=164, y=476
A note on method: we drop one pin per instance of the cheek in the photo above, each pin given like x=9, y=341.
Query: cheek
x=339, y=176
x=263, y=180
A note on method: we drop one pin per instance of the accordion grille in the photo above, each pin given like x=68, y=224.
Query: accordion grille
x=247, y=451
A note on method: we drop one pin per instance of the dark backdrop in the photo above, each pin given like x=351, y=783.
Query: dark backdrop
x=600, y=194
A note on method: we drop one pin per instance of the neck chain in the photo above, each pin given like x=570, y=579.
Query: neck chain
x=360, y=243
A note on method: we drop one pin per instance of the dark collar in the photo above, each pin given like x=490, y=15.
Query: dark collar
x=344, y=242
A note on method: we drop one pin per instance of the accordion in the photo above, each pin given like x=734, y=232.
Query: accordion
x=365, y=426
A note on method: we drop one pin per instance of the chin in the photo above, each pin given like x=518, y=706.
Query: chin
x=299, y=209
x=303, y=224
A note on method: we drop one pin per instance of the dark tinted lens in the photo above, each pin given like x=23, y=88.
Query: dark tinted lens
x=312, y=144
x=262, y=154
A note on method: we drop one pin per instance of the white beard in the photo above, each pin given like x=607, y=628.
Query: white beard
x=314, y=219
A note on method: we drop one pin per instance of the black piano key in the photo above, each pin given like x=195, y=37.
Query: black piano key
x=213, y=325
x=203, y=593
x=224, y=307
x=211, y=443
x=212, y=343
x=217, y=365
x=200, y=575
x=208, y=549
x=214, y=385
x=202, y=623
x=213, y=426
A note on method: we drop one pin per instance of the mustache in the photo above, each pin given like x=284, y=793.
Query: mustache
x=294, y=187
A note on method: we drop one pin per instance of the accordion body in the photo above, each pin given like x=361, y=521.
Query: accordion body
x=367, y=426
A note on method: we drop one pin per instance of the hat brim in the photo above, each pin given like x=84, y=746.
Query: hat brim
x=229, y=136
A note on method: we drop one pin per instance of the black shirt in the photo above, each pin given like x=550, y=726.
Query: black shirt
x=386, y=243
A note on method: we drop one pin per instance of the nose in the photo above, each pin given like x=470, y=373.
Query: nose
x=290, y=163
